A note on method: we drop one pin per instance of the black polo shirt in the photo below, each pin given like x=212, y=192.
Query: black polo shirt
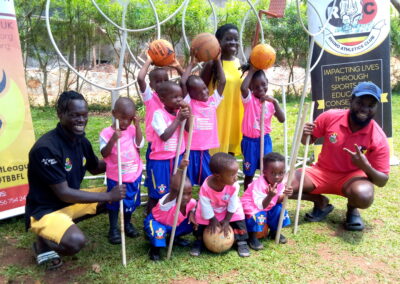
x=53, y=159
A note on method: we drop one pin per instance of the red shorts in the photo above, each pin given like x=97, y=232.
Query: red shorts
x=329, y=182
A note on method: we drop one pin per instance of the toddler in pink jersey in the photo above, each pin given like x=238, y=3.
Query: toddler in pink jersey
x=131, y=165
x=262, y=200
x=219, y=204
x=152, y=101
x=158, y=224
x=254, y=93
x=166, y=123
x=205, y=129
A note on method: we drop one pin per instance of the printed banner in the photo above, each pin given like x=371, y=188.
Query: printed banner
x=16, y=131
x=356, y=48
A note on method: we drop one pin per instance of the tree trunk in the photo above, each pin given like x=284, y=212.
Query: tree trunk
x=396, y=4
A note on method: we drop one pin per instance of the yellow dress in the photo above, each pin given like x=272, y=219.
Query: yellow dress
x=230, y=111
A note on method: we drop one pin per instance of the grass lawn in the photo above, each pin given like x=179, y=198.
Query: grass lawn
x=319, y=253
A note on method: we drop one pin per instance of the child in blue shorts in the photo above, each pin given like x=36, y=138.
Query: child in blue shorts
x=262, y=200
x=254, y=94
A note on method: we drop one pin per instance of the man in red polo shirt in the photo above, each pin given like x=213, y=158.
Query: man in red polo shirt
x=354, y=157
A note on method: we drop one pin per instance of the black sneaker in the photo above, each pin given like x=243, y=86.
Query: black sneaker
x=154, y=254
x=243, y=249
x=114, y=236
x=181, y=242
x=196, y=249
x=255, y=244
x=131, y=231
x=272, y=236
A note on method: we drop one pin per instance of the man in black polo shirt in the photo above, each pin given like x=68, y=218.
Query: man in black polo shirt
x=57, y=164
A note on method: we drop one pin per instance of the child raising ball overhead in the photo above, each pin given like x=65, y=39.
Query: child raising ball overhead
x=131, y=165
x=254, y=94
x=205, y=129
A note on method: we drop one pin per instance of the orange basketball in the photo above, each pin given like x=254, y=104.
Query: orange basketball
x=217, y=242
x=263, y=234
x=161, y=52
x=262, y=56
x=206, y=47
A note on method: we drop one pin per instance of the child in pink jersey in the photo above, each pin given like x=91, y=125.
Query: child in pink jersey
x=130, y=139
x=219, y=205
x=254, y=93
x=205, y=130
x=166, y=125
x=152, y=101
x=262, y=200
x=158, y=224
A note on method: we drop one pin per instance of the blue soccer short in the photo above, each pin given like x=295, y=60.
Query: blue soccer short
x=251, y=153
x=257, y=222
x=158, y=233
x=147, y=180
x=160, y=174
x=132, y=199
x=199, y=166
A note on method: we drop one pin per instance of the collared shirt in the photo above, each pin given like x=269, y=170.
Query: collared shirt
x=53, y=159
x=333, y=126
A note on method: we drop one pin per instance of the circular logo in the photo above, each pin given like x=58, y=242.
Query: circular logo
x=354, y=28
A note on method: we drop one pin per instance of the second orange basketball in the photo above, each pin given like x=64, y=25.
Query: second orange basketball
x=161, y=52
x=206, y=47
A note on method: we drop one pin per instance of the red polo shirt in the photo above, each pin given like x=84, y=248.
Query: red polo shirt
x=333, y=125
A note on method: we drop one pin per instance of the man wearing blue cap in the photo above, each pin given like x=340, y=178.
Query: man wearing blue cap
x=354, y=157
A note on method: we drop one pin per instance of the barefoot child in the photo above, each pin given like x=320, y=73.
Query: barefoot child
x=262, y=200
x=219, y=205
x=166, y=123
x=254, y=93
x=130, y=139
x=158, y=224
x=152, y=101
x=205, y=130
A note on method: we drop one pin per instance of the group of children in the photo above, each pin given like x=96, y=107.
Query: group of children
x=168, y=106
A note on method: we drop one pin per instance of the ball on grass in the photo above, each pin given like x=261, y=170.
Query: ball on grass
x=217, y=242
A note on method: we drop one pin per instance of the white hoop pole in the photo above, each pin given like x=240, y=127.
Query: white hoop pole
x=115, y=94
x=292, y=170
x=304, y=93
x=142, y=29
x=303, y=171
x=262, y=130
x=121, y=202
x=178, y=146
x=181, y=188
x=285, y=131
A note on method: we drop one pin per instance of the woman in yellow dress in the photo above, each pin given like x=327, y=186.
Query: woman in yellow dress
x=230, y=111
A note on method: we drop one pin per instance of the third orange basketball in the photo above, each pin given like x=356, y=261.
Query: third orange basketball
x=206, y=47
x=262, y=56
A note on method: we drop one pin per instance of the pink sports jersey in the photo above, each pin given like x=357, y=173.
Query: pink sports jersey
x=255, y=194
x=164, y=150
x=205, y=128
x=213, y=203
x=131, y=164
x=152, y=103
x=252, y=113
x=164, y=213
x=333, y=125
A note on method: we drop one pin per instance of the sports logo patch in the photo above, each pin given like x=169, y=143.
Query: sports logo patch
x=333, y=138
x=261, y=220
x=161, y=188
x=159, y=233
x=247, y=166
x=68, y=164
